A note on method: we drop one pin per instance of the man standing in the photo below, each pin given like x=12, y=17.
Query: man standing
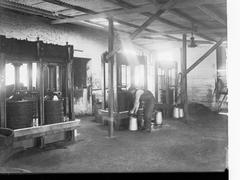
x=147, y=99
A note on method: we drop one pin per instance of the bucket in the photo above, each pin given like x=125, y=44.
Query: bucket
x=181, y=113
x=176, y=112
x=159, y=118
x=133, y=124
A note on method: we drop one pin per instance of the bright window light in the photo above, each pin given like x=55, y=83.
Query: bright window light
x=34, y=74
x=9, y=74
x=24, y=75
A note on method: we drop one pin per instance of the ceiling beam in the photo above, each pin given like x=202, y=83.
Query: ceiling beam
x=139, y=9
x=70, y=6
x=218, y=43
x=26, y=9
x=78, y=8
x=146, y=24
x=213, y=15
x=185, y=28
x=202, y=30
x=194, y=21
x=96, y=25
x=164, y=8
x=124, y=4
x=187, y=17
x=99, y=26
x=134, y=25
x=171, y=39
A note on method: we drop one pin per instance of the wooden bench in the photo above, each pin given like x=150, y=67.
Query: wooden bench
x=41, y=131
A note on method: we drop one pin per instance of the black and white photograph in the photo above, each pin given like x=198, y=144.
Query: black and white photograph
x=115, y=86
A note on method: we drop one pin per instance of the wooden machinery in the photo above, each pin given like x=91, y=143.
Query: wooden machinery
x=125, y=73
x=47, y=108
x=166, y=86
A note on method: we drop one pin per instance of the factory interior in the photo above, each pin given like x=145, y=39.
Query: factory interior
x=65, y=72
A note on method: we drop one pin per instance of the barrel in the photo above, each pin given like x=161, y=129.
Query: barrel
x=20, y=114
x=6, y=142
x=53, y=111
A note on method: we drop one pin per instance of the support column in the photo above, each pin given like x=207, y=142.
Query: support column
x=145, y=74
x=65, y=89
x=3, y=118
x=70, y=84
x=176, y=83
x=40, y=87
x=184, y=80
x=103, y=81
x=69, y=135
x=110, y=77
x=156, y=79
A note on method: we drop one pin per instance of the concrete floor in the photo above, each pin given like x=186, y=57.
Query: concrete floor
x=178, y=146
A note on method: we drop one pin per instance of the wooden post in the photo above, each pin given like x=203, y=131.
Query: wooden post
x=176, y=83
x=156, y=79
x=145, y=73
x=69, y=135
x=184, y=80
x=103, y=81
x=70, y=83
x=40, y=84
x=115, y=91
x=29, y=72
x=3, y=118
x=110, y=78
x=115, y=84
x=119, y=73
x=65, y=89
x=41, y=92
